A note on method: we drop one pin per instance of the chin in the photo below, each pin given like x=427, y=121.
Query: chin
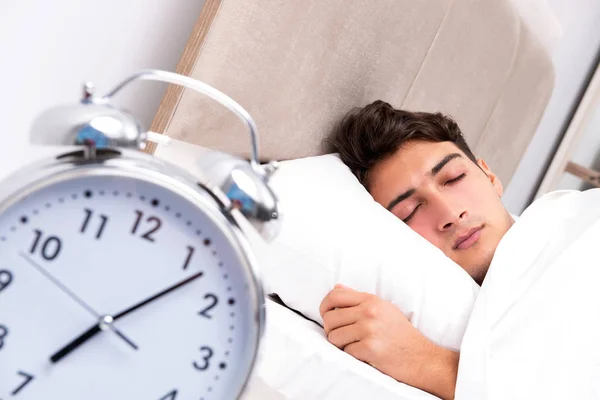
x=479, y=276
x=478, y=270
x=482, y=263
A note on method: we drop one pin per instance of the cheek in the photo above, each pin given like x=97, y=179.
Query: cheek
x=473, y=193
x=426, y=228
x=481, y=195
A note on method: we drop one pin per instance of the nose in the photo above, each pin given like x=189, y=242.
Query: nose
x=449, y=214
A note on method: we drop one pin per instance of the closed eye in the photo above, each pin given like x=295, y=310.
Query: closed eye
x=412, y=214
x=458, y=178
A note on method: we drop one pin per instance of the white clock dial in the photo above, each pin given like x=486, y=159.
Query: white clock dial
x=98, y=244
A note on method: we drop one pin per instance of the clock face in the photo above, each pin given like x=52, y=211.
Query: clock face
x=113, y=287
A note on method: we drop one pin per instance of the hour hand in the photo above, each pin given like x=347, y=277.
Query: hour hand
x=78, y=341
x=102, y=321
x=106, y=321
x=103, y=324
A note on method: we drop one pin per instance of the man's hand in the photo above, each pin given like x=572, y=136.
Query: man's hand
x=376, y=332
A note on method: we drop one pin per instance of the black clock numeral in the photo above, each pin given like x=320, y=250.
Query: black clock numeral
x=214, y=300
x=152, y=219
x=88, y=216
x=5, y=279
x=205, y=358
x=189, y=256
x=172, y=395
x=28, y=378
x=50, y=247
x=3, y=335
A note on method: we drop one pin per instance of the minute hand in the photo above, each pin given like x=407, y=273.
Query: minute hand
x=96, y=328
x=157, y=295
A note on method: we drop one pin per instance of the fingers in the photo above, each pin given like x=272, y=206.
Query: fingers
x=358, y=350
x=342, y=337
x=339, y=317
x=340, y=297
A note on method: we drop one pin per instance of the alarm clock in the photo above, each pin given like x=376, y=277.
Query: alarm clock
x=123, y=276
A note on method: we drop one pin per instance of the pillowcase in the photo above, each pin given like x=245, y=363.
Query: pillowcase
x=334, y=232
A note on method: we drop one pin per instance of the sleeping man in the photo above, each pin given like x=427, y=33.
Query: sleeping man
x=419, y=167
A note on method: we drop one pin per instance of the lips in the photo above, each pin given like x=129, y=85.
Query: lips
x=468, y=238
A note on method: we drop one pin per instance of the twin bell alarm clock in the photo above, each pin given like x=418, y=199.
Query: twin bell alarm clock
x=123, y=276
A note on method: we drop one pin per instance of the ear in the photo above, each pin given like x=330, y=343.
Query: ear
x=494, y=180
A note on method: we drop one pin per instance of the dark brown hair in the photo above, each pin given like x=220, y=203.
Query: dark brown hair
x=367, y=135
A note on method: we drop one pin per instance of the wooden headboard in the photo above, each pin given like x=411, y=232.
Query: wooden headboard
x=298, y=66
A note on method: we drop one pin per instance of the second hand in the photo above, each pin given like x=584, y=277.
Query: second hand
x=73, y=296
x=107, y=320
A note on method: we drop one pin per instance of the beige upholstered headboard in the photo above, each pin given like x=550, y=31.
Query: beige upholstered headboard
x=298, y=66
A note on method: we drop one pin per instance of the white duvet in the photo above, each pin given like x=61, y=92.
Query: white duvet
x=534, y=332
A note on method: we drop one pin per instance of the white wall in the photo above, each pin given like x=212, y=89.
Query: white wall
x=573, y=57
x=48, y=48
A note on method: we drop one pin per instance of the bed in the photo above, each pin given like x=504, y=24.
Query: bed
x=297, y=67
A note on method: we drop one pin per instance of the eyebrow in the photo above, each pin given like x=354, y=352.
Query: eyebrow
x=438, y=167
x=400, y=198
x=434, y=171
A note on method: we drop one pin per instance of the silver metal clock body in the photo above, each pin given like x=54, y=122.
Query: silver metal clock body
x=100, y=213
x=126, y=277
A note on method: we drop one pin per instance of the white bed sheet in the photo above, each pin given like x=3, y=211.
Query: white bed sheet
x=297, y=362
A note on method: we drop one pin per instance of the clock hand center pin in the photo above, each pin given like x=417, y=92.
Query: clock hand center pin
x=105, y=322
x=78, y=300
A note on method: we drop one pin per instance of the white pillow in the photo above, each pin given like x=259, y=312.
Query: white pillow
x=334, y=232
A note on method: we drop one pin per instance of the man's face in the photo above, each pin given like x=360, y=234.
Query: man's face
x=446, y=198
